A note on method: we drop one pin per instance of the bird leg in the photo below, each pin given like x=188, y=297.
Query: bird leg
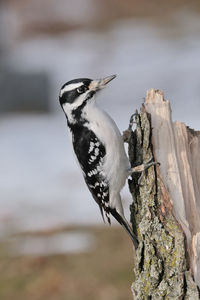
x=132, y=121
x=142, y=168
x=127, y=133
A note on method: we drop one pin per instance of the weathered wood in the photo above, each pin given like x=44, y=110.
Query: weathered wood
x=166, y=205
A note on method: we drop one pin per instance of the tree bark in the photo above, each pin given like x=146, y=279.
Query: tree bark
x=165, y=212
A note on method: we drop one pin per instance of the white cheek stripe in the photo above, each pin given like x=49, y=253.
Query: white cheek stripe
x=78, y=102
x=70, y=87
x=69, y=107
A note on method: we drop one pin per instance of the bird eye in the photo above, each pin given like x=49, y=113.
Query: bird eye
x=81, y=89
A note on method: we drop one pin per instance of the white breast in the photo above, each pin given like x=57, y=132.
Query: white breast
x=116, y=163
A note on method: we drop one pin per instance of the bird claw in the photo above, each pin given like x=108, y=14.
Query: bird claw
x=142, y=168
x=127, y=133
x=132, y=121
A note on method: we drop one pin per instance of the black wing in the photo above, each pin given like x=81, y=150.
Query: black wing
x=90, y=153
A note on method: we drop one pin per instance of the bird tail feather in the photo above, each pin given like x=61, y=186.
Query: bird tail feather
x=122, y=220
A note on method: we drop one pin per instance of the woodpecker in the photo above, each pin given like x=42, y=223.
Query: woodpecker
x=98, y=145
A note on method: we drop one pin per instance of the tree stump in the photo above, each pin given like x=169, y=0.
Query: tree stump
x=165, y=212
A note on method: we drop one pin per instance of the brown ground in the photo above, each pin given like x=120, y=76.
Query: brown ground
x=104, y=273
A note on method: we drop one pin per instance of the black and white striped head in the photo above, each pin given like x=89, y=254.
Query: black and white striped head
x=77, y=93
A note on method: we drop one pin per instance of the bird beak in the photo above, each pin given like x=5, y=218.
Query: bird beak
x=99, y=84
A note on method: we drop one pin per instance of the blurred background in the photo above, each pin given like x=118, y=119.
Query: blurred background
x=53, y=242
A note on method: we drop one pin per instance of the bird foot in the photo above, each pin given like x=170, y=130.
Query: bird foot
x=142, y=168
x=127, y=133
x=133, y=120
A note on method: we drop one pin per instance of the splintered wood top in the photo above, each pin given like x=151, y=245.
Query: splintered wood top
x=177, y=148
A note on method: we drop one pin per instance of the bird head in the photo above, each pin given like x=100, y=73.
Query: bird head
x=76, y=93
